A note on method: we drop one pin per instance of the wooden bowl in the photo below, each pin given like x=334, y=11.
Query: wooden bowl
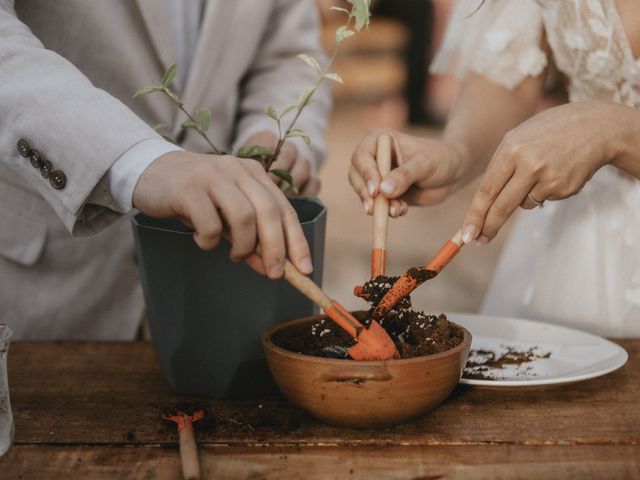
x=361, y=394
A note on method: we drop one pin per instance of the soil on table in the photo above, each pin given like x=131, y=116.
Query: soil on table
x=488, y=365
x=414, y=333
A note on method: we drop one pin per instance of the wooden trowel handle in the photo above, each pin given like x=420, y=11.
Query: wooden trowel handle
x=381, y=210
x=313, y=292
x=306, y=286
x=332, y=308
x=189, y=455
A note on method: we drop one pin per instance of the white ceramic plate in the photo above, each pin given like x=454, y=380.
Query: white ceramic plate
x=573, y=355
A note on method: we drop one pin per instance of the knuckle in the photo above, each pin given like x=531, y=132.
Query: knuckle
x=305, y=166
x=254, y=166
x=244, y=216
x=487, y=191
x=500, y=211
x=289, y=214
x=531, y=163
x=268, y=211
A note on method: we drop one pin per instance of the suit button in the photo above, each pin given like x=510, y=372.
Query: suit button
x=58, y=179
x=36, y=158
x=24, y=148
x=45, y=168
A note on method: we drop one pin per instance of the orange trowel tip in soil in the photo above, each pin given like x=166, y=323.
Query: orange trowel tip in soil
x=374, y=343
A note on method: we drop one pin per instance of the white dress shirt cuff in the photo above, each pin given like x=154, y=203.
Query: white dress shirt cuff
x=117, y=186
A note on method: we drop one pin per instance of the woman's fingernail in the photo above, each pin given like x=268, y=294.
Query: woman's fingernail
x=388, y=186
x=307, y=266
x=482, y=240
x=469, y=234
x=276, y=271
x=365, y=205
x=392, y=211
x=371, y=187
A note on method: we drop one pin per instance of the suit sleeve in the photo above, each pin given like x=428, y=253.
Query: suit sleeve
x=54, y=109
x=278, y=77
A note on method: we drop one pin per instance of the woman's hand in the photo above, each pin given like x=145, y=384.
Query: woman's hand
x=549, y=157
x=427, y=171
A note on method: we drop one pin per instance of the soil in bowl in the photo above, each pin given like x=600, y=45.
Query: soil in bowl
x=414, y=333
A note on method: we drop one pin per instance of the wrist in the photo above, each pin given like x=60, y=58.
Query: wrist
x=461, y=159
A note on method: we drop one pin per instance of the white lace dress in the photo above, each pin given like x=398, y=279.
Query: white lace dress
x=576, y=261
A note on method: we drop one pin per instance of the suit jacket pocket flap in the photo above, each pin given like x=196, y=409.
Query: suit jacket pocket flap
x=21, y=238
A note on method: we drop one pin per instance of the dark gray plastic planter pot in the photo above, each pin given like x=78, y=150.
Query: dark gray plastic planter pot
x=206, y=313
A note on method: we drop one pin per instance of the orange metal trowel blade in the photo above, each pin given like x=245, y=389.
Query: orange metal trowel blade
x=374, y=343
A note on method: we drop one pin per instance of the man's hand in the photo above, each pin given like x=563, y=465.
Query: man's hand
x=290, y=159
x=211, y=194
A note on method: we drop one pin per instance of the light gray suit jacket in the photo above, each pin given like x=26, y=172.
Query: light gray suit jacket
x=68, y=69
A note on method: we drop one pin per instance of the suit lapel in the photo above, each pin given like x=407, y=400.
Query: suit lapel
x=218, y=17
x=158, y=23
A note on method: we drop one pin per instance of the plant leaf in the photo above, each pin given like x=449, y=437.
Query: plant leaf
x=335, y=77
x=288, y=109
x=160, y=126
x=312, y=62
x=169, y=75
x=204, y=114
x=343, y=33
x=361, y=12
x=271, y=112
x=146, y=90
x=191, y=124
x=340, y=9
x=283, y=175
x=296, y=132
x=305, y=96
x=169, y=139
x=253, y=151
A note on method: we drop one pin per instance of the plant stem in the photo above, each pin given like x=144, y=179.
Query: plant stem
x=283, y=138
x=200, y=131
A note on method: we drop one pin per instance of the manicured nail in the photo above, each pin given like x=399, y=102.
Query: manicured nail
x=365, y=205
x=388, y=186
x=482, y=240
x=371, y=187
x=392, y=211
x=276, y=271
x=469, y=233
x=307, y=266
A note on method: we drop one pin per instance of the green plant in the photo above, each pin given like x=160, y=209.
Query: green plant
x=357, y=18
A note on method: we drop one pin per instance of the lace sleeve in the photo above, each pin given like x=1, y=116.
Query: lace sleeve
x=501, y=41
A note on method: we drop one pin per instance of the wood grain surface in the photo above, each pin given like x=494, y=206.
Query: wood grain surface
x=92, y=410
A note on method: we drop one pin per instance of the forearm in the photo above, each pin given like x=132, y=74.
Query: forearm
x=54, y=108
x=483, y=114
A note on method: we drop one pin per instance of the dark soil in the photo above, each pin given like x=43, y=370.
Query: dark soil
x=414, y=333
x=486, y=365
x=228, y=419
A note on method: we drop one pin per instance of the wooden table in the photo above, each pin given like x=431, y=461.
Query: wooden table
x=91, y=411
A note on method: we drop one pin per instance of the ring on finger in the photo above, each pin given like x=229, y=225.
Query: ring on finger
x=537, y=203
